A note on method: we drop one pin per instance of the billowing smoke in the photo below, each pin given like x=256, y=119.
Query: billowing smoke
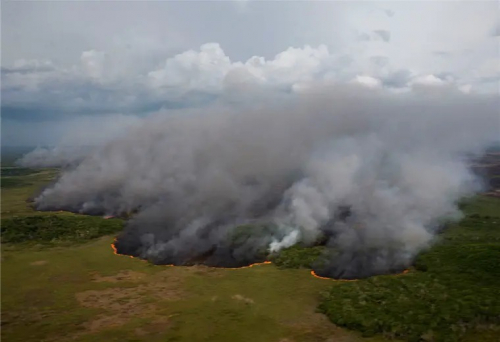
x=371, y=174
x=76, y=138
x=54, y=157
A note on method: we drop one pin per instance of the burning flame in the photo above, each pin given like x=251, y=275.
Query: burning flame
x=115, y=251
x=320, y=277
x=251, y=265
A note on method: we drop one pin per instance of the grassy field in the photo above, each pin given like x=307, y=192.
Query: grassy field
x=16, y=190
x=67, y=285
x=71, y=290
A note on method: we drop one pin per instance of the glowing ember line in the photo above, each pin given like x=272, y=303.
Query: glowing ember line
x=320, y=277
x=251, y=265
x=115, y=251
x=317, y=276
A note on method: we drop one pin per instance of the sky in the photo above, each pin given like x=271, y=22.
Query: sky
x=76, y=72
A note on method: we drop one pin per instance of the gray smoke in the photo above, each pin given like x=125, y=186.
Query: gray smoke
x=54, y=157
x=77, y=139
x=373, y=173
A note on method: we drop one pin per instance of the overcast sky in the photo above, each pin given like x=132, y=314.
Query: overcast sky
x=93, y=65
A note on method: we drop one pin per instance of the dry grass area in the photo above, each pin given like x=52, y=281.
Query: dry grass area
x=120, y=305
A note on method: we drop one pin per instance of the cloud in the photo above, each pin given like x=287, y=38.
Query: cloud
x=397, y=79
x=28, y=66
x=189, y=55
x=383, y=34
x=389, y=13
x=429, y=80
x=191, y=78
x=93, y=63
x=444, y=54
x=380, y=61
x=368, y=81
x=495, y=31
x=374, y=35
x=363, y=37
x=192, y=70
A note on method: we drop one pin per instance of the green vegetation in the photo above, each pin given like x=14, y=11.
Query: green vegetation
x=13, y=182
x=12, y=177
x=57, y=228
x=21, y=224
x=240, y=234
x=17, y=171
x=16, y=190
x=454, y=288
x=298, y=257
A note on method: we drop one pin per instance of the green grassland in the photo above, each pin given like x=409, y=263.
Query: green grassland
x=18, y=189
x=62, y=282
x=67, y=285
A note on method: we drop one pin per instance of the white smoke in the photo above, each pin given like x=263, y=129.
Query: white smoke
x=396, y=161
x=54, y=157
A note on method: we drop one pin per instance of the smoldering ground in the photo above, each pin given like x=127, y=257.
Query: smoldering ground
x=374, y=174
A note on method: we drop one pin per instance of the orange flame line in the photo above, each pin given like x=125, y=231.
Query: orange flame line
x=317, y=276
x=251, y=265
x=115, y=251
x=320, y=277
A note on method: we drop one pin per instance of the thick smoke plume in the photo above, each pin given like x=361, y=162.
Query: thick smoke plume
x=373, y=174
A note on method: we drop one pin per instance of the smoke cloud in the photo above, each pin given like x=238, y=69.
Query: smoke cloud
x=55, y=157
x=370, y=173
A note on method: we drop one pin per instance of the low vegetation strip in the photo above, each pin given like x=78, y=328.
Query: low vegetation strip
x=455, y=287
x=13, y=182
x=54, y=228
x=13, y=177
x=17, y=171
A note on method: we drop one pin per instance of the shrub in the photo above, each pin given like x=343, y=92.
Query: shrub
x=298, y=257
x=53, y=228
